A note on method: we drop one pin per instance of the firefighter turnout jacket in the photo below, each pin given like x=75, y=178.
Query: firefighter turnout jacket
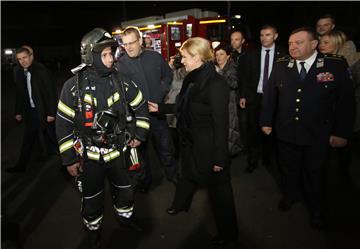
x=82, y=98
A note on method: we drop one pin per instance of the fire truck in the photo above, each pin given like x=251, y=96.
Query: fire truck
x=165, y=34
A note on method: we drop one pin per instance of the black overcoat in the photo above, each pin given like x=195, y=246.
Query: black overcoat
x=43, y=92
x=203, y=124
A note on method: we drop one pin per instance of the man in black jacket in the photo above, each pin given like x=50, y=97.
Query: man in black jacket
x=153, y=76
x=259, y=64
x=310, y=102
x=35, y=103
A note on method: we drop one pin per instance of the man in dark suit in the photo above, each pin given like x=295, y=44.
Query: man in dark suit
x=259, y=64
x=35, y=103
x=309, y=100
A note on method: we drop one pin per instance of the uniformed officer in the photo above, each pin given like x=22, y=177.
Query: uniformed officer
x=310, y=100
x=91, y=125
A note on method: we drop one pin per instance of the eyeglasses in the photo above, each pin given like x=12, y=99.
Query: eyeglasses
x=129, y=43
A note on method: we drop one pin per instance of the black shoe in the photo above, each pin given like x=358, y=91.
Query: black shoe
x=249, y=169
x=15, y=169
x=220, y=241
x=173, y=211
x=130, y=223
x=317, y=221
x=285, y=205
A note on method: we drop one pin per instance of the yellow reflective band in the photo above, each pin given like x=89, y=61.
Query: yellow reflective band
x=125, y=148
x=65, y=109
x=93, y=155
x=116, y=96
x=137, y=100
x=88, y=99
x=110, y=101
x=65, y=146
x=95, y=101
x=124, y=210
x=143, y=124
x=94, y=222
x=111, y=156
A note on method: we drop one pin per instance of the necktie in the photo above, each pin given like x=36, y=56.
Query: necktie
x=28, y=84
x=266, y=68
x=303, y=70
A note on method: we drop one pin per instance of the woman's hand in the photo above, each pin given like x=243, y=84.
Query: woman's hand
x=153, y=107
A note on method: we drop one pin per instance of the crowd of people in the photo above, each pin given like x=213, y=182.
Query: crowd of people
x=278, y=106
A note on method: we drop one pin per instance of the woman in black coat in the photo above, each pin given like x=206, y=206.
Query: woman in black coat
x=203, y=124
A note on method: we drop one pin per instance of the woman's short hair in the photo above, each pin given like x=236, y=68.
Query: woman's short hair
x=224, y=47
x=338, y=38
x=198, y=46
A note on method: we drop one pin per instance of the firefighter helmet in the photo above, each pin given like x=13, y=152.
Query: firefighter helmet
x=95, y=41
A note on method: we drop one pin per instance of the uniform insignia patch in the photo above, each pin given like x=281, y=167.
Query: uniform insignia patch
x=325, y=77
x=320, y=63
x=291, y=63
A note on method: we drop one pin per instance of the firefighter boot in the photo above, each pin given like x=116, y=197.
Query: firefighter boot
x=93, y=239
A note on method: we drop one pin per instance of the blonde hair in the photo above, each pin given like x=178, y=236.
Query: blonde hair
x=198, y=46
x=338, y=38
x=131, y=30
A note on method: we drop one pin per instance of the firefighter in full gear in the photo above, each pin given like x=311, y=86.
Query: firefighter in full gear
x=94, y=111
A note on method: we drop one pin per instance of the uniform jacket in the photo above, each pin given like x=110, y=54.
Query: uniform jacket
x=305, y=111
x=203, y=122
x=98, y=94
x=43, y=92
x=253, y=69
x=150, y=71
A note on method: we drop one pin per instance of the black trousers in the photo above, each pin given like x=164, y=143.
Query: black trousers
x=303, y=166
x=161, y=138
x=91, y=184
x=31, y=138
x=221, y=199
x=260, y=146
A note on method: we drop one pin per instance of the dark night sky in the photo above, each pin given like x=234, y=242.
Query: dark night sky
x=64, y=23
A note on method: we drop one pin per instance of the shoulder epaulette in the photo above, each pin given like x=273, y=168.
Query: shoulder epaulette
x=334, y=56
x=285, y=58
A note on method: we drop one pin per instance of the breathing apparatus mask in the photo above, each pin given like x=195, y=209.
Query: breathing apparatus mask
x=110, y=129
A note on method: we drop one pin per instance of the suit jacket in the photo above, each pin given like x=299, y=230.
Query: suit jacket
x=253, y=69
x=306, y=111
x=43, y=92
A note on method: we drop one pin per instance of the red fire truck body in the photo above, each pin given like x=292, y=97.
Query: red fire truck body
x=169, y=32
